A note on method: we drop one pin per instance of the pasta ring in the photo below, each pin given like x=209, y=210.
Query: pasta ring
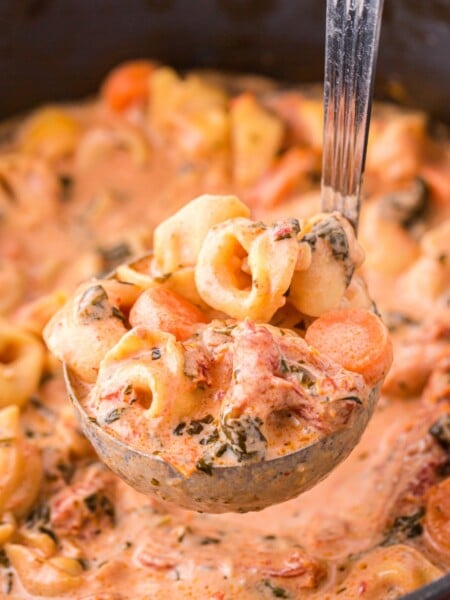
x=255, y=291
x=21, y=364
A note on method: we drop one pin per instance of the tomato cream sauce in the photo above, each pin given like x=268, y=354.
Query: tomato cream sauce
x=377, y=527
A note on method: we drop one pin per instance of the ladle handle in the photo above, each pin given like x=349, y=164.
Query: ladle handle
x=352, y=36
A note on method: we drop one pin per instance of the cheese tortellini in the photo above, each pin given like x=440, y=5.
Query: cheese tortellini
x=20, y=466
x=21, y=364
x=245, y=268
x=248, y=269
x=178, y=240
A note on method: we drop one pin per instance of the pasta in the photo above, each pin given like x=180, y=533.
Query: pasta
x=21, y=364
x=86, y=189
x=157, y=360
x=20, y=466
x=178, y=240
x=244, y=269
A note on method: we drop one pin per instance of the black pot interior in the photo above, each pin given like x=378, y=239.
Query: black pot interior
x=53, y=50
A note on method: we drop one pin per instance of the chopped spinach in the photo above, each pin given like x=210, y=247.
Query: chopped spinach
x=207, y=541
x=204, y=466
x=112, y=256
x=39, y=515
x=284, y=365
x=66, y=185
x=156, y=353
x=406, y=206
x=84, y=563
x=331, y=231
x=440, y=430
x=9, y=582
x=395, y=319
x=51, y=534
x=4, y=560
x=194, y=428
x=94, y=304
x=404, y=527
x=211, y=438
x=304, y=376
x=112, y=416
x=277, y=592
x=244, y=437
x=179, y=428
x=118, y=314
x=207, y=419
x=99, y=503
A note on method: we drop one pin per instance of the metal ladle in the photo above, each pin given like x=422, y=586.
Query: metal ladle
x=352, y=39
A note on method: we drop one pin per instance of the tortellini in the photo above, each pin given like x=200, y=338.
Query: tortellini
x=437, y=518
x=389, y=573
x=157, y=379
x=256, y=137
x=177, y=241
x=21, y=364
x=99, y=143
x=29, y=189
x=12, y=285
x=245, y=268
x=51, y=133
x=335, y=255
x=44, y=576
x=20, y=466
x=95, y=306
x=190, y=114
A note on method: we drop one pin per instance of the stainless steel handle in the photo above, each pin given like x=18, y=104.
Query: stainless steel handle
x=352, y=36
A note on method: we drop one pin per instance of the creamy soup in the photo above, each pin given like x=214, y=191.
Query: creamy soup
x=82, y=189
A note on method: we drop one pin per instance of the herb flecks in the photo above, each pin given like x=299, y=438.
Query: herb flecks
x=211, y=438
x=4, y=560
x=112, y=256
x=51, y=534
x=204, y=466
x=156, y=353
x=98, y=503
x=244, y=437
x=440, y=430
x=66, y=184
x=331, y=231
x=194, y=428
x=208, y=541
x=94, y=304
x=404, y=527
x=277, y=592
x=114, y=415
x=179, y=428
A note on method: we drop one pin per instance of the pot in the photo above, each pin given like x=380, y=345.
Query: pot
x=55, y=51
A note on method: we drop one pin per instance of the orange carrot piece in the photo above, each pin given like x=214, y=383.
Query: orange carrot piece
x=437, y=177
x=165, y=310
x=277, y=183
x=127, y=84
x=356, y=339
x=437, y=517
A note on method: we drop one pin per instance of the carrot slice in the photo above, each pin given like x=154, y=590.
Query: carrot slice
x=437, y=517
x=437, y=177
x=356, y=339
x=277, y=183
x=127, y=84
x=165, y=310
